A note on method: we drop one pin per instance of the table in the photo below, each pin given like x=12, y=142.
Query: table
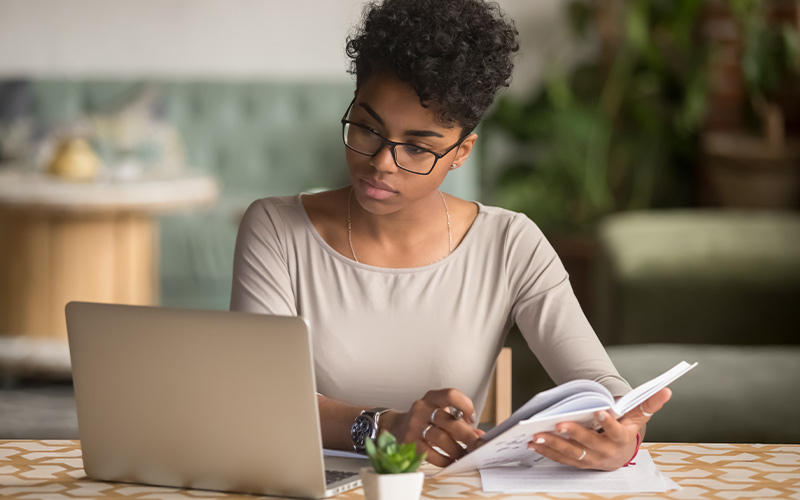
x=96, y=241
x=53, y=469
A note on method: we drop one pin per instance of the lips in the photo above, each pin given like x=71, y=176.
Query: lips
x=377, y=190
x=379, y=185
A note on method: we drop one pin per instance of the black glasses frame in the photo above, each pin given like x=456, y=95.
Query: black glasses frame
x=392, y=144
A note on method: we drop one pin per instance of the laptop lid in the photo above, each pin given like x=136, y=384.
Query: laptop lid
x=213, y=400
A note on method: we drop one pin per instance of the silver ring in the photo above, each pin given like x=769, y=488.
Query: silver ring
x=648, y=415
x=455, y=412
x=433, y=415
x=425, y=432
x=582, y=455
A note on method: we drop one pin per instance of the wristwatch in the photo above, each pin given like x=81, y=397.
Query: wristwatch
x=365, y=427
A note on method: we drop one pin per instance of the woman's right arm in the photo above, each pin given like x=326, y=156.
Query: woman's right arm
x=262, y=284
x=261, y=280
x=444, y=431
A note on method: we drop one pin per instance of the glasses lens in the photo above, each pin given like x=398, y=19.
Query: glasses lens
x=414, y=159
x=364, y=141
x=361, y=139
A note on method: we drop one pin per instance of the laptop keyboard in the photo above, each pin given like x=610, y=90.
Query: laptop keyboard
x=331, y=476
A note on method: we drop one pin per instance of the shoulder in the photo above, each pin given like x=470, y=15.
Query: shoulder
x=326, y=211
x=325, y=206
x=272, y=215
x=508, y=224
x=273, y=204
x=298, y=218
x=521, y=244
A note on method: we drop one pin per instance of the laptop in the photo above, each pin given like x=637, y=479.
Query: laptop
x=212, y=400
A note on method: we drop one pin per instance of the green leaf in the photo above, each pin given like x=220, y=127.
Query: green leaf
x=414, y=465
x=372, y=453
x=385, y=440
x=389, y=457
x=637, y=25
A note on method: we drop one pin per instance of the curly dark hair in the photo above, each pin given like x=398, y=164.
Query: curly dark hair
x=455, y=54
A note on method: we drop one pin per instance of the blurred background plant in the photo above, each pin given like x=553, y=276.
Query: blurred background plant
x=771, y=68
x=755, y=163
x=618, y=131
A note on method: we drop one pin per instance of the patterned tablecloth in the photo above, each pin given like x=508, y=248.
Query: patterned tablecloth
x=54, y=469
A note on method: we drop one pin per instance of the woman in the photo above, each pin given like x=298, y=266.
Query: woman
x=410, y=292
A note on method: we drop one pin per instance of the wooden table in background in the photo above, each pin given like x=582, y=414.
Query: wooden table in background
x=93, y=241
x=53, y=470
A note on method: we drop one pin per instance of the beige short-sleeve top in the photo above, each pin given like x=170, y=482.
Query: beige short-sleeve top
x=384, y=337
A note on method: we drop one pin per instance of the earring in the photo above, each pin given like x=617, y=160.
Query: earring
x=453, y=166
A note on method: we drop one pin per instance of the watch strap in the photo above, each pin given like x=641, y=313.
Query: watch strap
x=374, y=416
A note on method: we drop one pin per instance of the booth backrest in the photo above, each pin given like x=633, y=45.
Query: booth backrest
x=270, y=138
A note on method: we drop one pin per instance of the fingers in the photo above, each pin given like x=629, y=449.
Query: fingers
x=435, y=404
x=433, y=456
x=563, y=450
x=655, y=402
x=642, y=413
x=443, y=398
x=436, y=437
x=445, y=437
x=583, y=448
x=612, y=429
x=589, y=449
x=571, y=431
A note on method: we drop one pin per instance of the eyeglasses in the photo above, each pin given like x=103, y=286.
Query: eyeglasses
x=408, y=157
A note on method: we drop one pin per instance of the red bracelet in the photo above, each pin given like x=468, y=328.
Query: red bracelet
x=636, y=451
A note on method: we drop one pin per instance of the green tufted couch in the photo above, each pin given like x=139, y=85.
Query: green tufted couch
x=258, y=138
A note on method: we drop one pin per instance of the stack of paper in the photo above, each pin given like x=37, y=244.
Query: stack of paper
x=546, y=476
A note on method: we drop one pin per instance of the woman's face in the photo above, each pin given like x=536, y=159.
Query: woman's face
x=392, y=109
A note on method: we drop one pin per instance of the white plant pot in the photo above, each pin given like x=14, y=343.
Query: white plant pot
x=407, y=486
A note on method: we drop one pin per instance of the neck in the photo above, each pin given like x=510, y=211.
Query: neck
x=402, y=234
x=414, y=221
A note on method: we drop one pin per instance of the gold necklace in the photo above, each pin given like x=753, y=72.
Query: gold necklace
x=350, y=229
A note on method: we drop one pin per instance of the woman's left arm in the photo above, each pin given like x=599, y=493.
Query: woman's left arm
x=551, y=320
x=609, y=449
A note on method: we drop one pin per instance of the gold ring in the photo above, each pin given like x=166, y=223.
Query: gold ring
x=582, y=455
x=425, y=432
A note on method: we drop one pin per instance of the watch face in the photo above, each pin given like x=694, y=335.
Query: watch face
x=363, y=428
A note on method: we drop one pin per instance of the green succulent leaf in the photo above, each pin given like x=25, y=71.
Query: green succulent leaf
x=385, y=440
x=389, y=457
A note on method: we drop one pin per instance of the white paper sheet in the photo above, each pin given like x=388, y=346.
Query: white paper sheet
x=546, y=476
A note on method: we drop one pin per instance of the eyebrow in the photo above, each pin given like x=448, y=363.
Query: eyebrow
x=416, y=133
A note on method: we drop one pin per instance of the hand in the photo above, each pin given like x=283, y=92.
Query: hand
x=443, y=431
x=589, y=449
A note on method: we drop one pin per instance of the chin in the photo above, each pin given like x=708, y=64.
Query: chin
x=373, y=206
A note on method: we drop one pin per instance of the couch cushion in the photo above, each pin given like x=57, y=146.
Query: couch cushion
x=704, y=276
x=740, y=394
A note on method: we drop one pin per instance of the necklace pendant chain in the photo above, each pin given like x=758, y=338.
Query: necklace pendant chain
x=350, y=228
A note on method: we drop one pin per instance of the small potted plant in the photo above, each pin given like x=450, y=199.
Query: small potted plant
x=393, y=475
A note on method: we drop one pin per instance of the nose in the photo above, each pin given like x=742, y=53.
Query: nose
x=384, y=160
